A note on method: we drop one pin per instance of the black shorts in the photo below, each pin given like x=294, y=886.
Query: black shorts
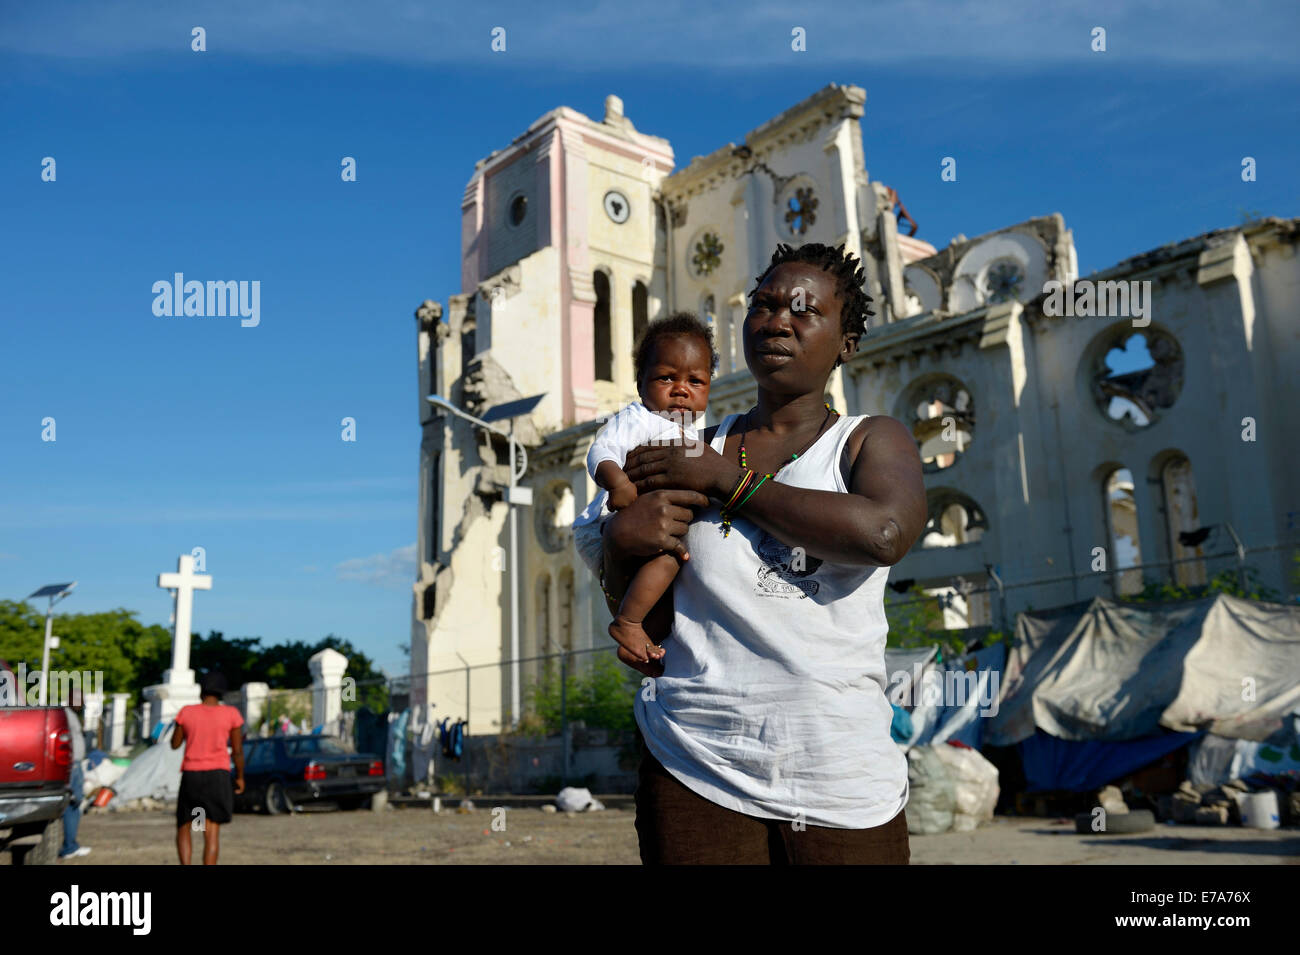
x=211, y=790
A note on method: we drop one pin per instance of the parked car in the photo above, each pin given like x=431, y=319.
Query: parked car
x=282, y=772
x=35, y=769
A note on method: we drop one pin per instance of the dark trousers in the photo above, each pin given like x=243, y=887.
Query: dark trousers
x=676, y=826
x=72, y=814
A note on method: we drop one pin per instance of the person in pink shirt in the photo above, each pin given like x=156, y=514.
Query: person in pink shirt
x=207, y=799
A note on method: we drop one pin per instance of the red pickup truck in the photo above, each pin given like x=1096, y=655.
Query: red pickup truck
x=35, y=766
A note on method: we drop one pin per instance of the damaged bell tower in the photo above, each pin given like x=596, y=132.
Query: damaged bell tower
x=561, y=262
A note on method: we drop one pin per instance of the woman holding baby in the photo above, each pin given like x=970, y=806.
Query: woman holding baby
x=764, y=725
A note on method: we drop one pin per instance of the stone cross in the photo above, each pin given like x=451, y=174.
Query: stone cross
x=184, y=582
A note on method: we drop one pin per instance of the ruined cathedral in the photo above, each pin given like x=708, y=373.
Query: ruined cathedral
x=1066, y=455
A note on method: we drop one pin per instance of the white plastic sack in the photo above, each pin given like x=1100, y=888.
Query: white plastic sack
x=975, y=781
x=105, y=774
x=932, y=798
x=571, y=799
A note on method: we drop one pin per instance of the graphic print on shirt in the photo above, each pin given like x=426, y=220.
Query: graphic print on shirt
x=782, y=575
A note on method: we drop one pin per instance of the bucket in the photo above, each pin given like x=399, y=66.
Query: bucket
x=1259, y=810
x=102, y=797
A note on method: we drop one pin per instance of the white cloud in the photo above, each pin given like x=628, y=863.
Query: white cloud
x=394, y=570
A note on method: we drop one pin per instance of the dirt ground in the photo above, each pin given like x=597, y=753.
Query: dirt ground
x=320, y=836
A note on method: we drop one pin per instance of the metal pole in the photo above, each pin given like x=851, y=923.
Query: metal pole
x=465, y=738
x=45, y=654
x=564, y=711
x=514, y=592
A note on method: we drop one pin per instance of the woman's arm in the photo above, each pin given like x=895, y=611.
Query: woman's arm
x=874, y=525
x=655, y=523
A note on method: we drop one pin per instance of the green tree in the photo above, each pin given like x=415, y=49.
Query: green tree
x=914, y=617
x=1225, y=582
x=600, y=695
x=285, y=665
x=130, y=654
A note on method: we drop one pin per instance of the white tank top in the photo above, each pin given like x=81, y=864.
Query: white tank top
x=772, y=702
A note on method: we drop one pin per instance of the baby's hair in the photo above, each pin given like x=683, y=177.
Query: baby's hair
x=678, y=323
x=855, y=304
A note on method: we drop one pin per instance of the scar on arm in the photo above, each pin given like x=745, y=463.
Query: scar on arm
x=884, y=542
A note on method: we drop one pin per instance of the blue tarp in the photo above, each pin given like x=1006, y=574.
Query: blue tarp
x=900, y=729
x=1063, y=765
x=952, y=700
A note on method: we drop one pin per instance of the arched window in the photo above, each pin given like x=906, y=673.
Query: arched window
x=1122, y=529
x=553, y=516
x=941, y=413
x=1136, y=376
x=603, y=336
x=565, y=601
x=954, y=519
x=708, y=312
x=640, y=310
x=1182, y=521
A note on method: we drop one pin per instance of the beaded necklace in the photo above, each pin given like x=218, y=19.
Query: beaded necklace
x=732, y=506
x=794, y=457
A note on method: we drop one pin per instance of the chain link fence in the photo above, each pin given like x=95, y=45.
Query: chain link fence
x=576, y=727
x=997, y=602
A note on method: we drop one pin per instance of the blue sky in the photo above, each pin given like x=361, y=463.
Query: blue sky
x=174, y=433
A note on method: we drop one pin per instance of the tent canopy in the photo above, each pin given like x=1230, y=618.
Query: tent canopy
x=1118, y=671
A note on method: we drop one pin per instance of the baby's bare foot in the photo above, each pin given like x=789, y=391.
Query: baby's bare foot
x=632, y=635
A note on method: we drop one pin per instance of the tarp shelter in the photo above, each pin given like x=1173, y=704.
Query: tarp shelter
x=1094, y=691
x=1064, y=765
x=1125, y=671
x=155, y=773
x=1275, y=762
x=946, y=700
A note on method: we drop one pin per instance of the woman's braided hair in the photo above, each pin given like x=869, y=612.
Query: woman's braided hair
x=855, y=304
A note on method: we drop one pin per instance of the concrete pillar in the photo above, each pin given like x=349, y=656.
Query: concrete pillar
x=115, y=730
x=327, y=669
x=93, y=712
x=252, y=704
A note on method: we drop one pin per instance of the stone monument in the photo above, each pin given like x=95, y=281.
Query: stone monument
x=177, y=688
x=327, y=669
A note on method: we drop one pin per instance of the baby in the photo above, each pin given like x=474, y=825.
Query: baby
x=674, y=363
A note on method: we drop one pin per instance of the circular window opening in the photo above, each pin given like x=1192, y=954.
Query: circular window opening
x=1004, y=281
x=1137, y=377
x=706, y=254
x=801, y=210
x=518, y=209
x=941, y=414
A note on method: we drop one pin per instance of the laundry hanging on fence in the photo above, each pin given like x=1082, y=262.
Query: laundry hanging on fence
x=452, y=738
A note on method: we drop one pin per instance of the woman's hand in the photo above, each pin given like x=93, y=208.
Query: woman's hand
x=693, y=466
x=655, y=523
